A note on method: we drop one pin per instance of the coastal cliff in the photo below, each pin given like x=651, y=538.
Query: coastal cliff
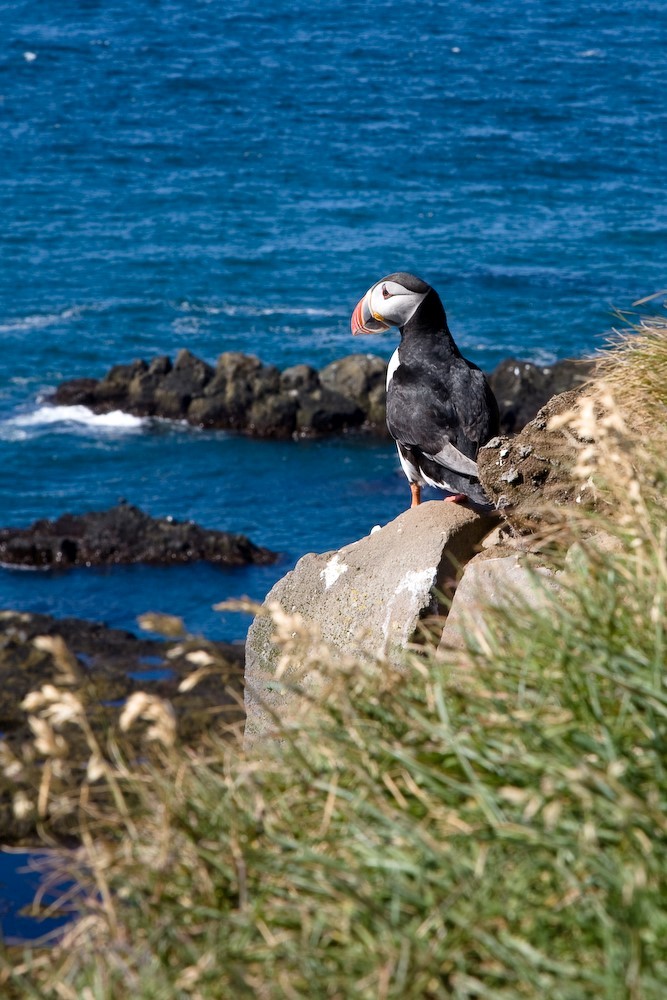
x=424, y=577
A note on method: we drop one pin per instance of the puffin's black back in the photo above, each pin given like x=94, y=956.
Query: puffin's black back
x=437, y=397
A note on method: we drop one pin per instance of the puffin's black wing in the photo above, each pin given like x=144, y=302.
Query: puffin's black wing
x=446, y=412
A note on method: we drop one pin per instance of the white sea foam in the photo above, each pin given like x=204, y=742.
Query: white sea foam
x=183, y=324
x=234, y=309
x=25, y=569
x=38, y=321
x=80, y=416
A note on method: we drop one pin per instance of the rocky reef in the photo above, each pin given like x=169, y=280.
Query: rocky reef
x=124, y=535
x=244, y=395
x=241, y=394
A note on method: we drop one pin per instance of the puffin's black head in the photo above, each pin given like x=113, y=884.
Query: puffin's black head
x=389, y=302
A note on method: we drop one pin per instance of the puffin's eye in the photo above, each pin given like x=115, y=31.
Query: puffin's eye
x=385, y=293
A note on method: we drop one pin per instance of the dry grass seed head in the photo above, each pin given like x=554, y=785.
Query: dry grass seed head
x=65, y=661
x=54, y=705
x=154, y=710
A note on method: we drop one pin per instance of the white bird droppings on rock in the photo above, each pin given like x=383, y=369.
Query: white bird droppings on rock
x=333, y=569
x=414, y=581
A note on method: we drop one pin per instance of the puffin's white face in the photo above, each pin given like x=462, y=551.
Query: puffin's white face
x=387, y=303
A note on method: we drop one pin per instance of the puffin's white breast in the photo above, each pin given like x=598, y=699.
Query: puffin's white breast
x=392, y=366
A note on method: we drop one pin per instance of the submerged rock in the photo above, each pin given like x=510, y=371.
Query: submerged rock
x=245, y=395
x=124, y=535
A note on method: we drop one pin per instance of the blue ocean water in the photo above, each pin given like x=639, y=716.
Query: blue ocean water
x=233, y=176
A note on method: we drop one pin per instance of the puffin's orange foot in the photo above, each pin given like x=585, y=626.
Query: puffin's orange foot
x=456, y=498
x=415, y=489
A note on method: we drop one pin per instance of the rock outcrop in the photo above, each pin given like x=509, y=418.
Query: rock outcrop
x=490, y=579
x=124, y=535
x=370, y=596
x=244, y=395
x=529, y=475
x=241, y=394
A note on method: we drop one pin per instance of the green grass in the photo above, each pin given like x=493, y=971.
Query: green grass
x=491, y=826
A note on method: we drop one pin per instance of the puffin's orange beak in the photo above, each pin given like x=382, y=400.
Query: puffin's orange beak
x=363, y=320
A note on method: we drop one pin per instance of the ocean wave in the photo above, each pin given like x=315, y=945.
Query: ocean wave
x=39, y=320
x=74, y=417
x=73, y=313
x=24, y=569
x=246, y=310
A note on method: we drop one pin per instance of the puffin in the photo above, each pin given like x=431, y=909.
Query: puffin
x=440, y=408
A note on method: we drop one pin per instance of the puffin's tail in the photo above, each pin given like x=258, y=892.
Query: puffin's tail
x=478, y=499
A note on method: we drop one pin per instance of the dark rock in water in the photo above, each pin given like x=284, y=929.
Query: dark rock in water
x=186, y=380
x=78, y=392
x=325, y=411
x=376, y=410
x=144, y=385
x=124, y=535
x=299, y=377
x=241, y=394
x=160, y=366
x=355, y=375
x=361, y=377
x=112, y=391
x=141, y=393
x=210, y=412
x=273, y=416
x=244, y=395
x=522, y=388
x=103, y=667
x=240, y=381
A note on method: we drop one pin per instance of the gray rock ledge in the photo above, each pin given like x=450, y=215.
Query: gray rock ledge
x=370, y=596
